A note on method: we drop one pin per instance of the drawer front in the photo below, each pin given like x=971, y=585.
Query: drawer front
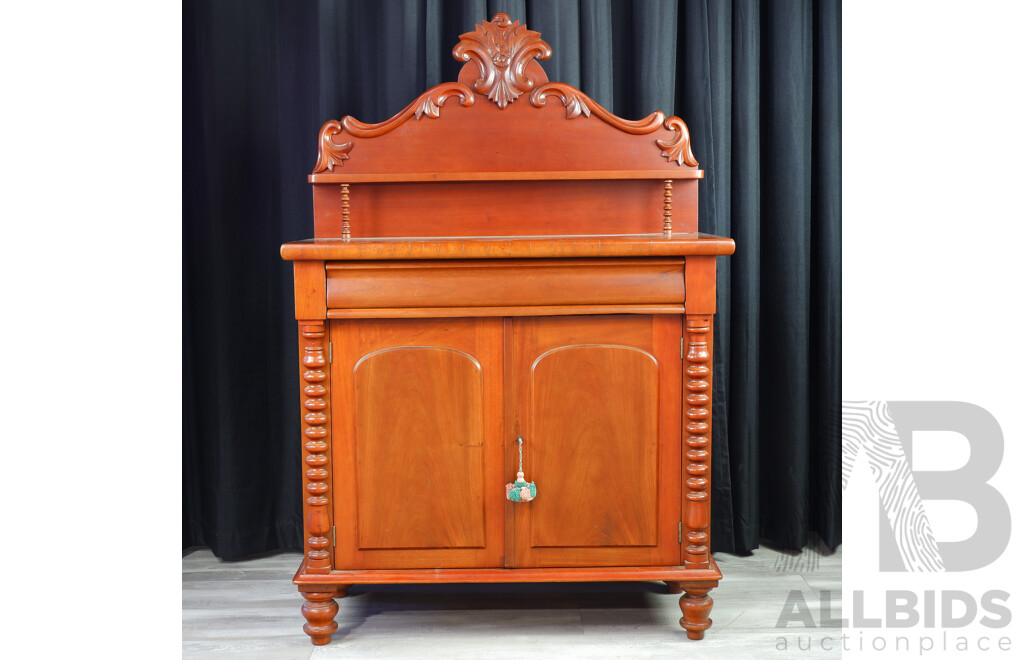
x=511, y=282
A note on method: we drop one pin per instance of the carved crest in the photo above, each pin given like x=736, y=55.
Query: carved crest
x=501, y=50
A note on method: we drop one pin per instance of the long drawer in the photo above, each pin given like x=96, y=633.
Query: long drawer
x=510, y=282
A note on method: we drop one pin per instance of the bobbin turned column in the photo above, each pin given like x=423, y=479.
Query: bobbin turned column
x=697, y=439
x=666, y=225
x=695, y=603
x=346, y=228
x=316, y=430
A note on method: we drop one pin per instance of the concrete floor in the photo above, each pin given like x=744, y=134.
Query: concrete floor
x=249, y=609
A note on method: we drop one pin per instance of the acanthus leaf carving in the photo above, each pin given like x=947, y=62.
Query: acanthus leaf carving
x=574, y=100
x=331, y=153
x=427, y=106
x=430, y=102
x=502, y=49
x=678, y=149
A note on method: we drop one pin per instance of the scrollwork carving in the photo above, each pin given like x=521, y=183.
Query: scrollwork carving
x=578, y=104
x=574, y=100
x=426, y=104
x=331, y=153
x=501, y=49
x=678, y=148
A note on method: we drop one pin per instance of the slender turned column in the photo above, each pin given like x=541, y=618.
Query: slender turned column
x=346, y=231
x=697, y=407
x=666, y=227
x=696, y=606
x=320, y=610
x=317, y=438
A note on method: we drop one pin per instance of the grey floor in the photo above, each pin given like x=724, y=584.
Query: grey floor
x=250, y=609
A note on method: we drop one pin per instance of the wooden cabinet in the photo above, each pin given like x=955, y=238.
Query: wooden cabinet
x=501, y=279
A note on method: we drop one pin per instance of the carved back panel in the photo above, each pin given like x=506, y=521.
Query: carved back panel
x=504, y=152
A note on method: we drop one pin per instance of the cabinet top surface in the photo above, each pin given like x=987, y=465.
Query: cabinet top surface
x=490, y=247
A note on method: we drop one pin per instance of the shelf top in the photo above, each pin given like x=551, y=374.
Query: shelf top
x=542, y=175
x=508, y=247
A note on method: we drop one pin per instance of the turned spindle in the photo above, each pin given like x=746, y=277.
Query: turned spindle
x=346, y=232
x=666, y=228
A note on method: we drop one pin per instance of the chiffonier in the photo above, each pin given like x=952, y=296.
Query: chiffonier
x=505, y=328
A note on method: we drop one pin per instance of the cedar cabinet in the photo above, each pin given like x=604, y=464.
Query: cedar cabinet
x=505, y=277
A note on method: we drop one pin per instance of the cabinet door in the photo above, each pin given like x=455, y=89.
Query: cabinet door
x=418, y=470
x=597, y=401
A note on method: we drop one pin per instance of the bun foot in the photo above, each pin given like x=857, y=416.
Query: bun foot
x=675, y=587
x=696, y=607
x=319, y=610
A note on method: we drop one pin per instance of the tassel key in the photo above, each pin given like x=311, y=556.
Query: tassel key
x=520, y=490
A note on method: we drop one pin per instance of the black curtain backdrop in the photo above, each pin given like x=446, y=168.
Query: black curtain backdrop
x=758, y=83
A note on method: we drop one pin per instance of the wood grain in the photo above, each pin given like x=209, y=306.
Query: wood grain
x=536, y=175
x=534, y=138
x=708, y=577
x=510, y=247
x=593, y=445
x=421, y=471
x=310, y=290
x=496, y=283
x=419, y=440
x=594, y=405
x=504, y=310
x=487, y=208
x=700, y=278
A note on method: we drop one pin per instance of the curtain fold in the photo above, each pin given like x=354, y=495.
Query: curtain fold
x=759, y=87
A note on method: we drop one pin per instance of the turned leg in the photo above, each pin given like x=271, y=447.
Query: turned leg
x=674, y=587
x=696, y=607
x=319, y=610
